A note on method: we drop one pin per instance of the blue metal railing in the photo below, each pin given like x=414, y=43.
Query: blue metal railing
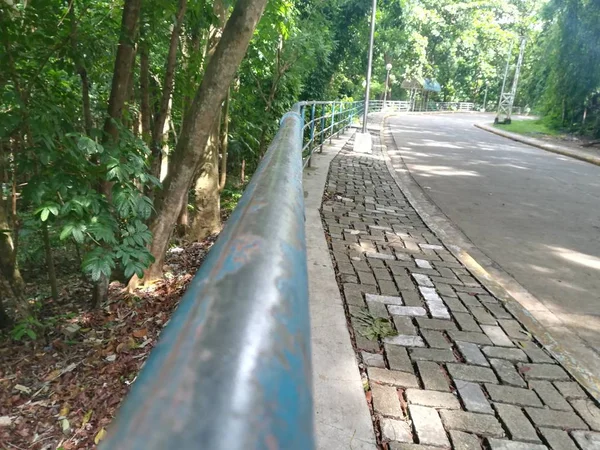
x=232, y=369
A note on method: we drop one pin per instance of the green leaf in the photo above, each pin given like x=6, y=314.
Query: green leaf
x=44, y=214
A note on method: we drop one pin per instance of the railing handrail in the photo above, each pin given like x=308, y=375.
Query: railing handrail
x=232, y=369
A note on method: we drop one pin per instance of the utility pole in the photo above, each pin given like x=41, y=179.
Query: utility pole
x=485, y=97
x=362, y=140
x=388, y=67
x=507, y=100
x=369, y=67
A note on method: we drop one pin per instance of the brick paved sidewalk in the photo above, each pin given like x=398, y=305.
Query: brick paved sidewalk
x=460, y=371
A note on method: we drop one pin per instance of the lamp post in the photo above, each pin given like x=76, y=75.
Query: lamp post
x=369, y=66
x=388, y=67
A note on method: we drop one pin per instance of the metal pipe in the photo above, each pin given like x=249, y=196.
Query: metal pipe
x=369, y=67
x=232, y=370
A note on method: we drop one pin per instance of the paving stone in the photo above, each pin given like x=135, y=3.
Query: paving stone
x=398, y=358
x=470, y=289
x=483, y=317
x=469, y=300
x=543, y=372
x=373, y=359
x=395, y=377
x=428, y=426
x=497, y=336
x=432, y=354
x=422, y=280
x=436, y=324
x=376, y=255
x=589, y=412
x=361, y=266
x=473, y=397
x=512, y=354
x=470, y=336
x=501, y=444
x=471, y=373
x=550, y=395
x=556, y=419
x=386, y=401
x=387, y=287
x=558, y=439
x=404, y=325
x=570, y=389
x=534, y=352
x=433, y=376
x=403, y=281
x=423, y=264
x=366, y=344
x=455, y=306
x=513, y=395
x=435, y=339
x=433, y=399
x=378, y=309
x=513, y=329
x=482, y=424
x=405, y=340
x=488, y=299
x=406, y=446
x=411, y=298
x=587, y=440
x=412, y=311
x=519, y=428
x=382, y=274
x=466, y=322
x=366, y=278
x=507, y=372
x=395, y=430
x=385, y=299
x=464, y=441
x=445, y=289
x=434, y=302
x=472, y=354
x=354, y=293
x=498, y=311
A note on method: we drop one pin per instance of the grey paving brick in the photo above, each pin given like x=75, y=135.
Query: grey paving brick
x=404, y=325
x=497, y=336
x=395, y=430
x=373, y=359
x=405, y=340
x=395, y=377
x=483, y=317
x=411, y=298
x=472, y=354
x=432, y=354
x=423, y=264
x=382, y=274
x=422, y=280
x=466, y=322
x=387, y=287
x=434, y=302
x=403, y=281
x=376, y=255
x=385, y=299
x=428, y=426
x=378, y=309
x=512, y=354
x=445, y=289
x=570, y=389
x=433, y=399
x=513, y=329
x=501, y=444
x=513, y=395
x=534, y=352
x=507, y=372
x=386, y=401
x=366, y=344
x=455, y=305
x=589, y=412
x=354, y=293
x=398, y=358
x=366, y=277
x=556, y=419
x=487, y=299
x=473, y=397
x=550, y=395
x=558, y=439
x=435, y=339
x=588, y=440
x=412, y=311
x=406, y=446
x=519, y=427
x=498, y=311
x=543, y=372
x=361, y=266
x=464, y=441
x=469, y=300
x=470, y=336
x=470, y=289
x=471, y=373
x=482, y=424
x=436, y=324
x=433, y=376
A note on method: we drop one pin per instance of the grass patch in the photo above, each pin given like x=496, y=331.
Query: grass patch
x=529, y=127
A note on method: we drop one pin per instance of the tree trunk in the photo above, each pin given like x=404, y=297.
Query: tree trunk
x=167, y=90
x=197, y=126
x=49, y=261
x=8, y=267
x=224, y=143
x=145, y=108
x=243, y=172
x=118, y=96
x=81, y=70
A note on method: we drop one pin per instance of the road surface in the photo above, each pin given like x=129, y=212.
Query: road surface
x=536, y=214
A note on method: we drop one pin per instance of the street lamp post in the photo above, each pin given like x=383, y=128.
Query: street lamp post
x=369, y=66
x=388, y=67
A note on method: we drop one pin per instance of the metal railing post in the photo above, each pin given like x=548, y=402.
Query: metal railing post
x=332, y=122
x=312, y=133
x=322, y=127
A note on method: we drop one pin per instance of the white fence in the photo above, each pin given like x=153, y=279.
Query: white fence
x=408, y=106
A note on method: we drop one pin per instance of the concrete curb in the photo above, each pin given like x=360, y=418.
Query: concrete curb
x=559, y=149
x=567, y=348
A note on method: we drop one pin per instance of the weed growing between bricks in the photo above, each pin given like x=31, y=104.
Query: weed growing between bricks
x=461, y=372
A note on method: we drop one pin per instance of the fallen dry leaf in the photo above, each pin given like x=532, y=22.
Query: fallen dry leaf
x=140, y=333
x=99, y=436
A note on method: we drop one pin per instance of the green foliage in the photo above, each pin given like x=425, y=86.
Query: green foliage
x=529, y=127
x=374, y=328
x=27, y=328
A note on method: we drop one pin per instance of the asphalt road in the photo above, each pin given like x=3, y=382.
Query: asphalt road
x=536, y=214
